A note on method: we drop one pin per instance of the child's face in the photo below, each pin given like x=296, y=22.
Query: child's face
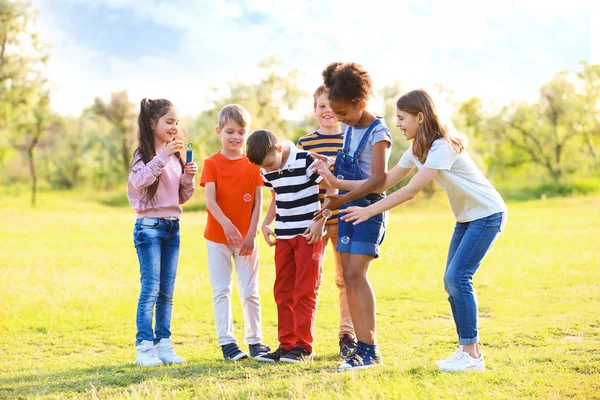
x=273, y=161
x=324, y=113
x=408, y=123
x=233, y=136
x=165, y=129
x=347, y=112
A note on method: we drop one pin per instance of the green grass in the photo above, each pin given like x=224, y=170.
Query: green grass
x=70, y=282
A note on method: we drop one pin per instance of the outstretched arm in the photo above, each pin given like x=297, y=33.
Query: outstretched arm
x=356, y=215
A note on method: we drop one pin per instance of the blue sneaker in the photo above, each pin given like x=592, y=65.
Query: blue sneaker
x=366, y=356
x=347, y=345
x=231, y=352
x=258, y=349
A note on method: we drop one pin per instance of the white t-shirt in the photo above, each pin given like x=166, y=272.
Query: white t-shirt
x=471, y=195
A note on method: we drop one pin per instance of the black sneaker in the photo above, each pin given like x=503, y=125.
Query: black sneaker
x=259, y=349
x=347, y=345
x=274, y=356
x=297, y=355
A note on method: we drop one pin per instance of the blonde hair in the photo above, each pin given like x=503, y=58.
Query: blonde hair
x=235, y=113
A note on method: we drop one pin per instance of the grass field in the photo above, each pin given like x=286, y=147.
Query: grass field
x=70, y=283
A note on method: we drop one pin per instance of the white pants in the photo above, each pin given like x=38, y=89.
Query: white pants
x=246, y=269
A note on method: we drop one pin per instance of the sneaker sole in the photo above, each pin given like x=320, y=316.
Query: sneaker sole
x=174, y=362
x=148, y=365
x=474, y=369
x=289, y=361
x=241, y=356
x=269, y=360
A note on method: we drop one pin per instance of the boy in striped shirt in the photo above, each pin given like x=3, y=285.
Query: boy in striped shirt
x=297, y=240
x=326, y=141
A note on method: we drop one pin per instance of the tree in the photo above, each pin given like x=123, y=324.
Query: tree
x=120, y=112
x=24, y=96
x=266, y=100
x=550, y=133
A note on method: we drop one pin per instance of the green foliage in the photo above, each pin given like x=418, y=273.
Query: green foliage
x=559, y=134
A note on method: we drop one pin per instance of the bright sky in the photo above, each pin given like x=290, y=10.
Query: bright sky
x=497, y=50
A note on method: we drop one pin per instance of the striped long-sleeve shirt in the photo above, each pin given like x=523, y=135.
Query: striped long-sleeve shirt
x=327, y=145
x=296, y=193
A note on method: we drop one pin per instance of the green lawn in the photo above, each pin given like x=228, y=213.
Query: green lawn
x=70, y=282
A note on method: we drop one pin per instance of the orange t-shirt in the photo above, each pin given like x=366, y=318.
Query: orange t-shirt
x=235, y=186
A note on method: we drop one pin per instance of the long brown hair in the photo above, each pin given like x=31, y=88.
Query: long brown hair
x=150, y=110
x=418, y=101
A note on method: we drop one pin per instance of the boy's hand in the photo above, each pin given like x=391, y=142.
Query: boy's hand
x=247, y=246
x=267, y=234
x=314, y=232
x=233, y=236
x=191, y=168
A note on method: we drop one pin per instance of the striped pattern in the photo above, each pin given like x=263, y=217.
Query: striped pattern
x=327, y=145
x=297, y=194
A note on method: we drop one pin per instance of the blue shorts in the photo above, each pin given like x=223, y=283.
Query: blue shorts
x=364, y=238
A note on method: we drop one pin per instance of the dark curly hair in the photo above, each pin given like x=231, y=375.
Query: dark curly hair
x=348, y=82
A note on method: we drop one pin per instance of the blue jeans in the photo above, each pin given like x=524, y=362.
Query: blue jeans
x=157, y=245
x=470, y=243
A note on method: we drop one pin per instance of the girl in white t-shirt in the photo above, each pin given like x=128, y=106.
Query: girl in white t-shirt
x=480, y=211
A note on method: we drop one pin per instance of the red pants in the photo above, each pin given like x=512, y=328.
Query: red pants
x=297, y=276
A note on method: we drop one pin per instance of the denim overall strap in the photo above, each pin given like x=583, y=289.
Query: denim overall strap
x=363, y=140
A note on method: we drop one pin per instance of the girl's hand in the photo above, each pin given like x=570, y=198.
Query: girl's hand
x=267, y=234
x=173, y=147
x=191, y=168
x=329, y=181
x=247, y=246
x=356, y=215
x=332, y=202
x=233, y=236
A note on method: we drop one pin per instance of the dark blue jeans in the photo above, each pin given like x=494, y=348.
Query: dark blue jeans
x=157, y=245
x=470, y=243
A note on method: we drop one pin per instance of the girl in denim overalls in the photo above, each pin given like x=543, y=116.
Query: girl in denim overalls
x=441, y=156
x=364, y=158
x=159, y=182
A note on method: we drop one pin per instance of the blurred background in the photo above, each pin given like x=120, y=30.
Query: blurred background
x=520, y=78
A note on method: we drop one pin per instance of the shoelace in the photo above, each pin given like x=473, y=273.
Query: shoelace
x=453, y=356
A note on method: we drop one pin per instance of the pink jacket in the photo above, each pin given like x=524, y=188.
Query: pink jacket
x=175, y=187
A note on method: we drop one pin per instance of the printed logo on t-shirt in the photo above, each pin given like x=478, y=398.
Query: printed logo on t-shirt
x=247, y=197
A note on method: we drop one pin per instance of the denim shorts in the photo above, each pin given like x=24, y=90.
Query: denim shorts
x=364, y=238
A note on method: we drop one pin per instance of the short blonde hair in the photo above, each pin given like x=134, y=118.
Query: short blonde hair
x=235, y=113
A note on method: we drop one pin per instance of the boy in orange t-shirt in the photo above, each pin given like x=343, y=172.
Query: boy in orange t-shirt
x=233, y=200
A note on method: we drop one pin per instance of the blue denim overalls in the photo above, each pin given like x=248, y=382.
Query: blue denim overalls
x=365, y=237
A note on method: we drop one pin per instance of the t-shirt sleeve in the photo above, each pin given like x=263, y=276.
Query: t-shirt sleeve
x=407, y=160
x=268, y=184
x=440, y=156
x=259, y=178
x=381, y=133
x=312, y=175
x=300, y=144
x=208, y=173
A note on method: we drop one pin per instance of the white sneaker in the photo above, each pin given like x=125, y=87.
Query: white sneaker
x=439, y=363
x=166, y=354
x=464, y=362
x=146, y=354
